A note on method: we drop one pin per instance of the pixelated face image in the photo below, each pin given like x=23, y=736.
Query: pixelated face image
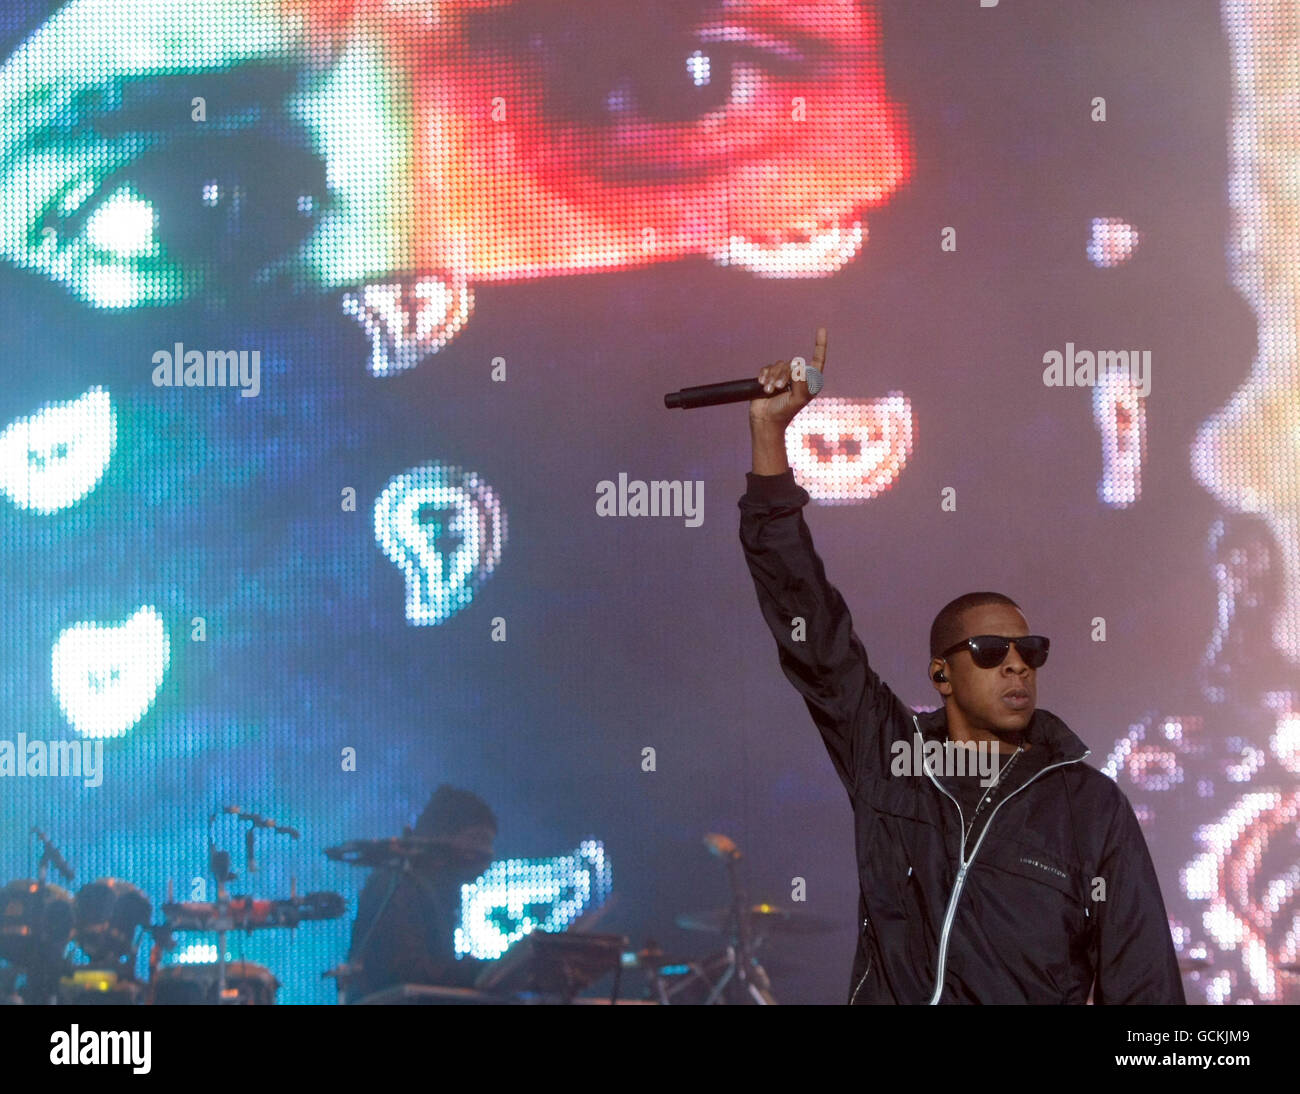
x=846, y=451
x=1247, y=454
x=170, y=149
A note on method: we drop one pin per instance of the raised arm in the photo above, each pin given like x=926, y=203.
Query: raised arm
x=819, y=652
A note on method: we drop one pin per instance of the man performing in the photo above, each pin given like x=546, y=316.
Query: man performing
x=1033, y=887
x=406, y=920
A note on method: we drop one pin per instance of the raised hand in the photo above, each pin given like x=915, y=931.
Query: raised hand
x=780, y=410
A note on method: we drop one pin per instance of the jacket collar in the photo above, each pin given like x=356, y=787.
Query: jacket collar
x=1045, y=730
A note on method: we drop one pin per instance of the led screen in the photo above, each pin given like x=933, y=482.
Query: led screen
x=334, y=464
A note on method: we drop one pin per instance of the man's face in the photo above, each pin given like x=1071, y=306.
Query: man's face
x=1000, y=699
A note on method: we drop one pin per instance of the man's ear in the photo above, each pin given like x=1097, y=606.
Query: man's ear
x=939, y=676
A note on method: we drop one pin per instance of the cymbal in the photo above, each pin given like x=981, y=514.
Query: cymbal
x=762, y=917
x=391, y=850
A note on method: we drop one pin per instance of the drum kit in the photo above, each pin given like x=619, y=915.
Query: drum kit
x=109, y=920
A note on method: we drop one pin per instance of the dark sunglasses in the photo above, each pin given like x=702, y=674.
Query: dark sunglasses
x=990, y=650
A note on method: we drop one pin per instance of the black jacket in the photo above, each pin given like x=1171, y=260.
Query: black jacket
x=406, y=924
x=1058, y=896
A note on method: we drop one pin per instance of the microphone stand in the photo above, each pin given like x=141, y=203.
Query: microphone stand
x=751, y=976
x=741, y=939
x=47, y=978
x=219, y=864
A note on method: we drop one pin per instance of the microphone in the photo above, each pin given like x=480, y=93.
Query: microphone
x=274, y=826
x=52, y=853
x=259, y=821
x=733, y=391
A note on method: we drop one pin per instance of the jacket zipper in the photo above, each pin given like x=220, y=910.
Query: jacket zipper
x=865, y=971
x=965, y=866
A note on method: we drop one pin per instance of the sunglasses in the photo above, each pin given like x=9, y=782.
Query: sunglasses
x=990, y=650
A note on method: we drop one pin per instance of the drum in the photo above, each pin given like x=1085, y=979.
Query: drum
x=99, y=987
x=196, y=985
x=110, y=912
x=35, y=923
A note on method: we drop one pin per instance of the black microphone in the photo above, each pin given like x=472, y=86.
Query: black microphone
x=52, y=853
x=733, y=391
x=273, y=825
x=259, y=821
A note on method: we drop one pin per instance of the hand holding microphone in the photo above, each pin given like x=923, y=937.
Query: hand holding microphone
x=788, y=388
x=780, y=392
x=740, y=391
x=786, y=391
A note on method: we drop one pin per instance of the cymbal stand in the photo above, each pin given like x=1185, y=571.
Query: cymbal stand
x=742, y=964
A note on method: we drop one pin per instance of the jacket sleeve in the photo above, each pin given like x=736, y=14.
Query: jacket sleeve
x=1136, y=962
x=827, y=662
